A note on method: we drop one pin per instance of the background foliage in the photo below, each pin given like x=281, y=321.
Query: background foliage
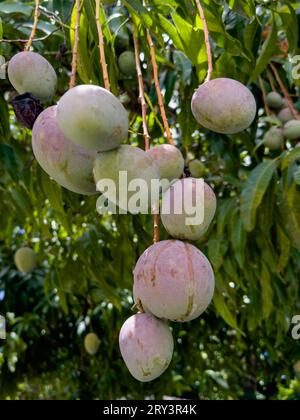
x=242, y=347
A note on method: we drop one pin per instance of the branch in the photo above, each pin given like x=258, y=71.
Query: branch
x=14, y=41
x=158, y=90
x=102, y=47
x=35, y=24
x=76, y=44
x=141, y=91
x=207, y=41
x=144, y=117
x=285, y=92
x=270, y=78
x=264, y=95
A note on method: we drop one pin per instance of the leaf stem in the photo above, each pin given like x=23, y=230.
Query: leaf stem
x=144, y=117
x=141, y=91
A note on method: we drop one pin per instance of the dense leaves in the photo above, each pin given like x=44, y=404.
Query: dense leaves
x=242, y=347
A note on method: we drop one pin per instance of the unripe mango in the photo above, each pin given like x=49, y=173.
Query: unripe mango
x=127, y=64
x=197, y=168
x=91, y=343
x=92, y=118
x=169, y=161
x=291, y=130
x=25, y=260
x=285, y=115
x=133, y=163
x=173, y=280
x=147, y=346
x=274, y=100
x=176, y=198
x=273, y=139
x=68, y=164
x=224, y=106
x=29, y=72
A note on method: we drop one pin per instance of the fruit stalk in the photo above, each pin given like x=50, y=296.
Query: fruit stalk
x=157, y=87
x=207, y=42
x=285, y=92
x=76, y=44
x=34, y=27
x=141, y=91
x=144, y=117
x=264, y=95
x=271, y=81
x=102, y=47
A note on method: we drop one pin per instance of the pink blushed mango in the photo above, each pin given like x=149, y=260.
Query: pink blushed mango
x=224, y=105
x=93, y=118
x=29, y=72
x=168, y=160
x=175, y=198
x=173, y=280
x=69, y=165
x=147, y=346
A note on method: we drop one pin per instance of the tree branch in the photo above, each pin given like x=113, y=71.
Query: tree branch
x=34, y=28
x=76, y=44
x=285, y=92
x=35, y=24
x=207, y=41
x=264, y=95
x=144, y=117
x=14, y=41
x=102, y=47
x=271, y=81
x=158, y=90
x=141, y=91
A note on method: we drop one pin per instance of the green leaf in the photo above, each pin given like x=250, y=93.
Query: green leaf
x=267, y=292
x=238, y=238
x=217, y=248
x=288, y=158
x=224, y=311
x=136, y=8
x=266, y=54
x=243, y=8
x=192, y=40
x=285, y=249
x=290, y=24
x=297, y=176
x=53, y=193
x=289, y=207
x=4, y=120
x=254, y=191
x=8, y=7
x=171, y=31
x=8, y=160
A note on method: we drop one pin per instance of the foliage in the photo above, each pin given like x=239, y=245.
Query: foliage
x=242, y=347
